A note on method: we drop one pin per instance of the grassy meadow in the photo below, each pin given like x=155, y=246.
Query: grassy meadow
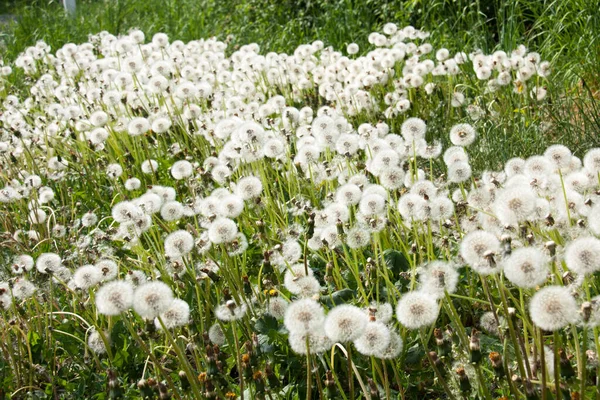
x=300, y=200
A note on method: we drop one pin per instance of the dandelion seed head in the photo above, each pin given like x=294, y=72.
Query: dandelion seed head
x=374, y=339
x=151, y=299
x=345, y=323
x=583, y=255
x=178, y=243
x=178, y=314
x=95, y=342
x=475, y=248
x=416, y=310
x=303, y=316
x=86, y=277
x=526, y=267
x=553, y=308
x=114, y=297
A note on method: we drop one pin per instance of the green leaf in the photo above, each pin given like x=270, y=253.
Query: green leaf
x=414, y=355
x=396, y=262
x=266, y=323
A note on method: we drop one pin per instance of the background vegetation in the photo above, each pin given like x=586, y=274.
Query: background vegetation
x=563, y=32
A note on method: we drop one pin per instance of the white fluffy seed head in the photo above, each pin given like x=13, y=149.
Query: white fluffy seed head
x=318, y=342
x=178, y=314
x=553, y=308
x=182, y=169
x=231, y=311
x=526, y=267
x=249, y=187
x=222, y=230
x=95, y=342
x=416, y=310
x=216, y=334
x=462, y=134
x=345, y=323
x=477, y=249
x=583, y=255
x=437, y=278
x=374, y=339
x=303, y=316
x=413, y=129
x=152, y=299
x=393, y=349
x=86, y=277
x=277, y=306
x=23, y=288
x=178, y=244
x=514, y=204
x=114, y=297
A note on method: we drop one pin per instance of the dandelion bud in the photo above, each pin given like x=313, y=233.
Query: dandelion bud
x=530, y=238
x=437, y=362
x=463, y=380
x=551, y=246
x=185, y=383
x=163, y=391
x=506, y=242
x=567, y=278
x=496, y=360
x=489, y=256
x=444, y=346
x=272, y=378
x=530, y=390
x=259, y=383
x=112, y=379
x=586, y=311
x=330, y=388
x=475, y=347
x=145, y=387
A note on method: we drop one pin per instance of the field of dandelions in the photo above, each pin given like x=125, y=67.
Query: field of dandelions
x=187, y=221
